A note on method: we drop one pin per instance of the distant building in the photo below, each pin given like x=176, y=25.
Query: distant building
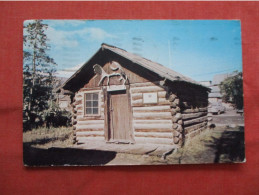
x=206, y=83
x=62, y=100
x=215, y=94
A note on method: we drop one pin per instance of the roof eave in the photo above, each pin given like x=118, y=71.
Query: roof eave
x=79, y=70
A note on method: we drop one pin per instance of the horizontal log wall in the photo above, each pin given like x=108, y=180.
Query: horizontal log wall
x=193, y=104
x=171, y=120
x=86, y=127
x=152, y=122
x=189, y=110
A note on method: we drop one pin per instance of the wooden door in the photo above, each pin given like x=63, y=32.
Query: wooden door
x=120, y=119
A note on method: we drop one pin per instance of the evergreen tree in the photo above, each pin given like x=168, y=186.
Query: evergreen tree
x=38, y=72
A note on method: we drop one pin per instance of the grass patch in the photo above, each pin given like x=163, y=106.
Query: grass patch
x=220, y=145
x=46, y=138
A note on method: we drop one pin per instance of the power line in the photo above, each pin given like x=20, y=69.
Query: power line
x=232, y=69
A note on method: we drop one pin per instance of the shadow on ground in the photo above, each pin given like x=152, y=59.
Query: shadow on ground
x=64, y=156
x=230, y=147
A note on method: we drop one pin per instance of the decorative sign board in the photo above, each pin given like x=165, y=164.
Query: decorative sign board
x=149, y=98
x=116, y=87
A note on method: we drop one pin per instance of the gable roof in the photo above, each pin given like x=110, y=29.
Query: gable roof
x=162, y=71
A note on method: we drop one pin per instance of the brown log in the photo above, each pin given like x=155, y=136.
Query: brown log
x=85, y=118
x=179, y=128
x=154, y=140
x=175, y=125
x=173, y=112
x=153, y=126
x=90, y=122
x=172, y=97
x=163, y=108
x=136, y=96
x=144, y=84
x=176, y=133
x=90, y=133
x=79, y=130
x=92, y=126
x=176, y=140
x=161, y=94
x=187, y=111
x=193, y=115
x=177, y=101
x=150, y=115
x=77, y=102
x=177, y=117
x=147, y=105
x=173, y=105
x=177, y=109
x=95, y=89
x=163, y=101
x=185, y=105
x=152, y=121
x=137, y=104
x=146, y=89
x=79, y=113
x=79, y=108
x=180, y=122
x=78, y=96
x=79, y=136
x=197, y=120
x=154, y=130
x=154, y=135
x=138, y=101
x=194, y=127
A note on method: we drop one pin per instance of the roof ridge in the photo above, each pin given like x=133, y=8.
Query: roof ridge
x=108, y=45
x=178, y=75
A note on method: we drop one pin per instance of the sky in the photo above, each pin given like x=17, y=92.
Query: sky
x=198, y=49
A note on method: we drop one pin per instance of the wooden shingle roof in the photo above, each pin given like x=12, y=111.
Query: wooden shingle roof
x=162, y=71
x=150, y=65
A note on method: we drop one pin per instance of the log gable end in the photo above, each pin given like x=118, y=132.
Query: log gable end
x=133, y=72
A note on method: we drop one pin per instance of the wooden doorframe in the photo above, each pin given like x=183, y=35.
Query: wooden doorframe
x=107, y=114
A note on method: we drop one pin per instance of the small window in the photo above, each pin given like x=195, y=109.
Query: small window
x=91, y=104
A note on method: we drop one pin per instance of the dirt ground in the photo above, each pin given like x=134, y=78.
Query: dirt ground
x=220, y=145
x=54, y=147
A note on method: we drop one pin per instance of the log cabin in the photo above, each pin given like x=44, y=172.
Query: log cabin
x=120, y=97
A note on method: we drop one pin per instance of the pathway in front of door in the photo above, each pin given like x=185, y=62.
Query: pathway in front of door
x=138, y=149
